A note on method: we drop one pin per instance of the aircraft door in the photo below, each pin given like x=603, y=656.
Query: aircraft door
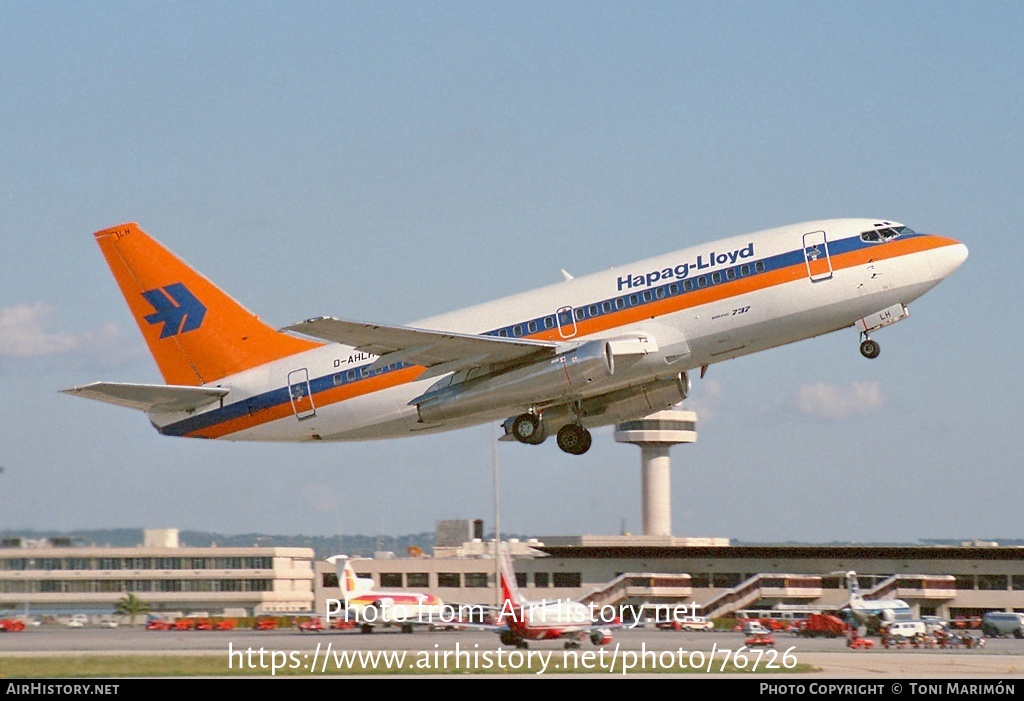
x=301, y=394
x=566, y=322
x=816, y=256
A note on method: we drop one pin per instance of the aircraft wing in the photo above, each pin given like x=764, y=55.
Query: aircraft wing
x=150, y=398
x=442, y=351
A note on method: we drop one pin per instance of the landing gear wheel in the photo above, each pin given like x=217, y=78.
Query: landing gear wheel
x=574, y=439
x=525, y=426
x=869, y=348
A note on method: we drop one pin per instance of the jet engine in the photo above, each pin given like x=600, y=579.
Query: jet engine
x=569, y=373
x=600, y=636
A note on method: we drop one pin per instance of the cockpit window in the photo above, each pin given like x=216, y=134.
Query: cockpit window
x=885, y=233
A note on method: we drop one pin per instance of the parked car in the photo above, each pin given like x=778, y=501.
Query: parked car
x=860, y=643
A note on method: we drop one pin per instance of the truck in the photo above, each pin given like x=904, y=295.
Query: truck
x=824, y=624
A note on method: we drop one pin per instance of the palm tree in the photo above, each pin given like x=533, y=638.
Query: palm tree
x=132, y=606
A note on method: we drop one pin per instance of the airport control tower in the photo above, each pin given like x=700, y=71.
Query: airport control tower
x=655, y=434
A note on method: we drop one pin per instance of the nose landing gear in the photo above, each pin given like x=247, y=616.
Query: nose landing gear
x=869, y=348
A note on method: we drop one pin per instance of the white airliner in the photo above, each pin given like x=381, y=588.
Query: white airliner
x=369, y=609
x=877, y=613
x=589, y=351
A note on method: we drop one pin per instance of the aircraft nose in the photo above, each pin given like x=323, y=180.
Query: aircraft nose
x=948, y=258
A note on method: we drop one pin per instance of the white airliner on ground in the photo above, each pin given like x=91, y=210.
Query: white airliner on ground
x=370, y=608
x=877, y=613
x=589, y=351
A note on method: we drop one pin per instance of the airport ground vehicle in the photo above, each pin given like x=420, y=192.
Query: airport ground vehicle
x=822, y=624
x=159, y=624
x=998, y=623
x=905, y=629
x=265, y=623
x=311, y=625
x=966, y=623
x=760, y=640
x=687, y=623
x=775, y=619
x=11, y=625
x=860, y=643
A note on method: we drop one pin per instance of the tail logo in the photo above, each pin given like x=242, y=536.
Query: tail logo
x=176, y=308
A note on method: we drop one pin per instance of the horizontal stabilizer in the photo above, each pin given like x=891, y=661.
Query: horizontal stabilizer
x=150, y=398
x=423, y=346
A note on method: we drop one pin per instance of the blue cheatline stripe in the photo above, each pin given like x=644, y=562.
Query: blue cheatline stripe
x=673, y=288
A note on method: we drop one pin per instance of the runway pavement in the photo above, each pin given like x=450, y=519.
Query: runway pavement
x=1001, y=659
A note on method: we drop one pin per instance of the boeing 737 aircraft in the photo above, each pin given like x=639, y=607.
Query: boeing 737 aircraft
x=560, y=360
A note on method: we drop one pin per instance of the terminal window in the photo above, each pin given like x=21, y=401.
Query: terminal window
x=448, y=579
x=568, y=579
x=477, y=580
x=417, y=579
x=391, y=579
x=541, y=579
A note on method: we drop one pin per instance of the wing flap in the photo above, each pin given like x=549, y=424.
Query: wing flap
x=423, y=346
x=150, y=398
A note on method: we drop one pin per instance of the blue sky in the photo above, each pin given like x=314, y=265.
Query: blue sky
x=391, y=161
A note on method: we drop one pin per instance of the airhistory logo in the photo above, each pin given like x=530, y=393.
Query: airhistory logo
x=176, y=308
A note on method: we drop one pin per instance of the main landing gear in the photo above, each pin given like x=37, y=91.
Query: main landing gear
x=572, y=438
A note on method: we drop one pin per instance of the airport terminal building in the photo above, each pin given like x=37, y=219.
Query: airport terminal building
x=56, y=577
x=711, y=577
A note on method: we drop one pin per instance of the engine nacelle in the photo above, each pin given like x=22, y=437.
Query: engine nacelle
x=600, y=636
x=567, y=374
x=634, y=402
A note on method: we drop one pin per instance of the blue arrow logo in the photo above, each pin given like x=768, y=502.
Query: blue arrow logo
x=176, y=307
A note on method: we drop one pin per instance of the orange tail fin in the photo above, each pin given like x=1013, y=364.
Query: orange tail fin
x=196, y=332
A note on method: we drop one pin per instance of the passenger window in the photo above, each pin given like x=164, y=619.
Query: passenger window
x=606, y=307
x=744, y=269
x=581, y=313
x=673, y=289
x=532, y=326
x=620, y=303
x=647, y=296
x=730, y=274
x=633, y=300
x=350, y=375
x=660, y=293
x=702, y=281
x=759, y=266
x=503, y=333
x=549, y=323
x=716, y=277
x=593, y=310
x=688, y=286
x=517, y=330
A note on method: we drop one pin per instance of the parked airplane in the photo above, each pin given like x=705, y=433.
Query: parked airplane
x=874, y=614
x=370, y=608
x=589, y=351
x=519, y=621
